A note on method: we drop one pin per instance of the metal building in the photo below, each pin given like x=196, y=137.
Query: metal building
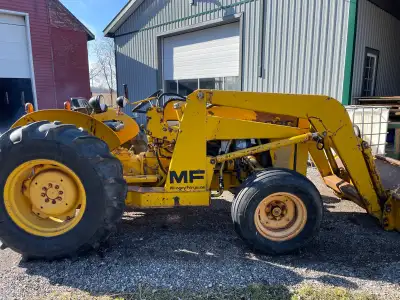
x=341, y=48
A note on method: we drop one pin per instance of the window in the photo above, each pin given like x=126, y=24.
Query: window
x=370, y=71
x=171, y=86
x=185, y=87
x=231, y=83
x=188, y=86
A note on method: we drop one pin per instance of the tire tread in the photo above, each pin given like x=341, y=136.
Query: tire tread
x=97, y=154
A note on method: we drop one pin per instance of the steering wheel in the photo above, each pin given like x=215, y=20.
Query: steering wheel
x=156, y=96
x=145, y=101
x=174, y=95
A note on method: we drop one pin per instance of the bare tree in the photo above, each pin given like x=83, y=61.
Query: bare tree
x=105, y=55
x=94, y=72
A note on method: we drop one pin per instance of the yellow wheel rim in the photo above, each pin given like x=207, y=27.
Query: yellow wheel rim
x=44, y=197
x=280, y=216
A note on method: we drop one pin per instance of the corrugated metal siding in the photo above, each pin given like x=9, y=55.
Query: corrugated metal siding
x=379, y=30
x=305, y=48
x=305, y=43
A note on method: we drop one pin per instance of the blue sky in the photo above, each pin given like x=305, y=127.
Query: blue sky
x=95, y=14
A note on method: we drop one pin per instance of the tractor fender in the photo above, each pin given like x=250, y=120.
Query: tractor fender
x=131, y=128
x=88, y=123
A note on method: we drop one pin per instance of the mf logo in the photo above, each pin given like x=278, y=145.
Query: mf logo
x=186, y=176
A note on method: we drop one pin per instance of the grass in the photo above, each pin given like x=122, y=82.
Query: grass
x=310, y=293
x=252, y=292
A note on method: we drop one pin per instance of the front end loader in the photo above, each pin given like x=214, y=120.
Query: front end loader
x=66, y=175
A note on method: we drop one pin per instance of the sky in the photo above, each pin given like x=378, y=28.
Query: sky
x=95, y=14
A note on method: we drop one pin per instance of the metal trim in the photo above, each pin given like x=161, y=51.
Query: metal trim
x=241, y=50
x=116, y=76
x=186, y=18
x=350, y=51
x=261, y=45
x=114, y=24
x=203, y=25
x=159, y=59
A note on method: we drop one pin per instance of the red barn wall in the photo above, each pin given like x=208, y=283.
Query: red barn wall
x=71, y=67
x=70, y=54
x=59, y=48
x=41, y=47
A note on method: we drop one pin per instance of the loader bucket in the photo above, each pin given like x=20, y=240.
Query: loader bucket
x=389, y=170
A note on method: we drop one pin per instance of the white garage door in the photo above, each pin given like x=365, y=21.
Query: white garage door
x=14, y=55
x=208, y=58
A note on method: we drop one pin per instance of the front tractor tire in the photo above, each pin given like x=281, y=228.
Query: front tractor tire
x=277, y=211
x=61, y=190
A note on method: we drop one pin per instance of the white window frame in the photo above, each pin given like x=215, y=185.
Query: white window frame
x=369, y=52
x=238, y=17
x=373, y=71
x=28, y=36
x=198, y=83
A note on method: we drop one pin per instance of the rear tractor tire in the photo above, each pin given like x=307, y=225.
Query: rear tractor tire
x=277, y=211
x=61, y=191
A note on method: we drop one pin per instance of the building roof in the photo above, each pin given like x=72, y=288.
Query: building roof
x=75, y=20
x=121, y=17
x=390, y=6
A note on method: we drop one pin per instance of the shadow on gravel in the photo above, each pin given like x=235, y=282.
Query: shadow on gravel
x=197, y=248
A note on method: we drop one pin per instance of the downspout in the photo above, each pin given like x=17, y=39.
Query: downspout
x=350, y=50
x=261, y=44
x=116, y=67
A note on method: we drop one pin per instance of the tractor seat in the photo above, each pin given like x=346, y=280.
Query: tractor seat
x=115, y=125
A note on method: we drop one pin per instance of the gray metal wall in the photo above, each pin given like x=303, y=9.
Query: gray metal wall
x=305, y=43
x=379, y=30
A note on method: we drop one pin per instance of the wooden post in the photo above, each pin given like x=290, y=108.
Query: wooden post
x=397, y=142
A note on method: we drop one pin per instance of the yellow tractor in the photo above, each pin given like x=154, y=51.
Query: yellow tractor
x=66, y=175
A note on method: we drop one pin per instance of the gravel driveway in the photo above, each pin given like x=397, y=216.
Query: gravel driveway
x=196, y=248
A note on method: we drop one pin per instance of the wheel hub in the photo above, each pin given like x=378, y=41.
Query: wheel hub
x=53, y=192
x=276, y=210
x=44, y=197
x=280, y=216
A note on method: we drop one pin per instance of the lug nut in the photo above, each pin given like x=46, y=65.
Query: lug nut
x=59, y=198
x=43, y=194
x=47, y=200
x=44, y=188
x=57, y=187
x=60, y=192
x=54, y=202
x=50, y=185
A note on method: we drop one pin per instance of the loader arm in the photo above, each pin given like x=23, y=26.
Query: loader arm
x=329, y=118
x=318, y=125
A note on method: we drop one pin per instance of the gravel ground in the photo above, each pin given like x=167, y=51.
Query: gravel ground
x=196, y=248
